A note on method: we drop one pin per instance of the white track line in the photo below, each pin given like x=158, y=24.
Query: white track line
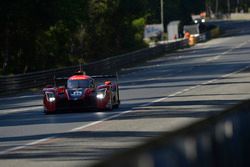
x=124, y=82
x=40, y=141
x=122, y=113
x=7, y=151
x=16, y=110
x=24, y=146
x=226, y=52
x=20, y=97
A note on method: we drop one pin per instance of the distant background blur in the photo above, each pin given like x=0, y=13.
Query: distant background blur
x=42, y=34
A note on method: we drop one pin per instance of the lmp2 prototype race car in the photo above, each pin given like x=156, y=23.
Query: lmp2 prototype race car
x=80, y=92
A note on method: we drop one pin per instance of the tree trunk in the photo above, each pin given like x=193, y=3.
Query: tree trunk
x=228, y=7
x=216, y=7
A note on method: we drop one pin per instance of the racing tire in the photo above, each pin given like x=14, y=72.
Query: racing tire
x=117, y=103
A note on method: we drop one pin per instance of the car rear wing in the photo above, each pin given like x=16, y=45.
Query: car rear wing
x=60, y=81
x=100, y=77
x=104, y=76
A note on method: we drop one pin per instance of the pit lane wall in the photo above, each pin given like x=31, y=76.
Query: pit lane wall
x=239, y=16
x=221, y=140
x=22, y=82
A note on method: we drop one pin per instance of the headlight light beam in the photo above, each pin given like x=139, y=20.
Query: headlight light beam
x=51, y=97
x=100, y=95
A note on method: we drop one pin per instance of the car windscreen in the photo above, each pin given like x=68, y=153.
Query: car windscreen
x=77, y=84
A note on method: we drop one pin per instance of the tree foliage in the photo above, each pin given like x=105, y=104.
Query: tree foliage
x=227, y=6
x=43, y=34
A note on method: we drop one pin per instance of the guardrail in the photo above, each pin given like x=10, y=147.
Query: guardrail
x=15, y=83
x=12, y=84
x=221, y=140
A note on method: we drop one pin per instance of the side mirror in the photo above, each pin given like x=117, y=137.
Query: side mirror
x=108, y=83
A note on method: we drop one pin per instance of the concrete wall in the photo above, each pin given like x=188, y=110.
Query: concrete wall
x=240, y=16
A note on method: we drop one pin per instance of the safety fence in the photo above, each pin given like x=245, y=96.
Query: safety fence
x=15, y=83
x=221, y=140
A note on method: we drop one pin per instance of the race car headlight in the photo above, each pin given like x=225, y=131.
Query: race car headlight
x=100, y=95
x=203, y=20
x=51, y=97
x=195, y=21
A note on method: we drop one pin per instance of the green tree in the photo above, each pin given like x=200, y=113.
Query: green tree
x=42, y=34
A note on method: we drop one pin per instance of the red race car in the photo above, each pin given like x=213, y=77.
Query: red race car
x=80, y=92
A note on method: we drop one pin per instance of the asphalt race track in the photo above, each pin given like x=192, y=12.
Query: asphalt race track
x=161, y=95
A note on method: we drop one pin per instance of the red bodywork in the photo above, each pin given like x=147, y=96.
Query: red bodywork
x=80, y=93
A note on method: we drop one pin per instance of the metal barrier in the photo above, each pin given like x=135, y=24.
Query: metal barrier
x=221, y=140
x=12, y=84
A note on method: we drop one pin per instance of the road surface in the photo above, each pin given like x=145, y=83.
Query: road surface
x=161, y=95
